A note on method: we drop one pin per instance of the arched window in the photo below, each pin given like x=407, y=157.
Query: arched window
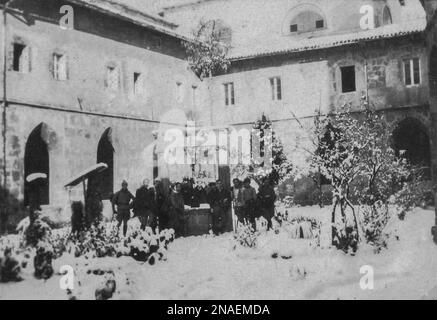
x=307, y=21
x=386, y=16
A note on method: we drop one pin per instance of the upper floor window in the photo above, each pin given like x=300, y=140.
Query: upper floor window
x=21, y=58
x=138, y=84
x=348, y=79
x=412, y=72
x=112, y=77
x=276, y=88
x=194, y=95
x=180, y=92
x=229, y=94
x=293, y=27
x=307, y=21
x=386, y=16
x=320, y=24
x=60, y=67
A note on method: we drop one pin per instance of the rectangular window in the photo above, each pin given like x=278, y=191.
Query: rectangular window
x=180, y=92
x=348, y=79
x=138, y=83
x=412, y=72
x=112, y=78
x=276, y=88
x=293, y=28
x=229, y=94
x=194, y=88
x=320, y=24
x=59, y=67
x=21, y=58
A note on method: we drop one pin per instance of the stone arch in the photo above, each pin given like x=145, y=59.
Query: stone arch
x=410, y=139
x=305, y=17
x=104, y=181
x=386, y=16
x=36, y=160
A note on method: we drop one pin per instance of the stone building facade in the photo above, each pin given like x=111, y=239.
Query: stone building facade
x=323, y=59
x=94, y=93
x=97, y=92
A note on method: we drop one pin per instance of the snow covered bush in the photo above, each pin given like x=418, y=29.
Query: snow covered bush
x=353, y=152
x=288, y=201
x=374, y=222
x=414, y=193
x=268, y=145
x=10, y=268
x=146, y=246
x=42, y=261
x=298, y=272
x=299, y=227
x=96, y=242
x=305, y=228
x=106, y=289
x=37, y=231
x=246, y=236
x=103, y=241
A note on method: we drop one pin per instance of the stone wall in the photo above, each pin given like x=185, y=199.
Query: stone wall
x=76, y=112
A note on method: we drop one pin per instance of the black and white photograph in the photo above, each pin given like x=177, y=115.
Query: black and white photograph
x=218, y=150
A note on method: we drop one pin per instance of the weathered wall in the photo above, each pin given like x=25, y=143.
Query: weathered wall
x=312, y=80
x=301, y=94
x=99, y=41
x=266, y=21
x=76, y=112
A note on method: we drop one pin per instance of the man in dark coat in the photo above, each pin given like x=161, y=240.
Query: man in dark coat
x=144, y=205
x=177, y=207
x=123, y=200
x=267, y=198
x=237, y=198
x=249, y=200
x=189, y=194
x=220, y=201
x=160, y=205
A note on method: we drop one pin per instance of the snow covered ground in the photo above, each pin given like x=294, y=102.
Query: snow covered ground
x=215, y=268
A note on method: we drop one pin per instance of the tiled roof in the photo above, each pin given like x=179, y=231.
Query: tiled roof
x=300, y=43
x=139, y=17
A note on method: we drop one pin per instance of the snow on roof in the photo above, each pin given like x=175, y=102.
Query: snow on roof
x=302, y=43
x=261, y=27
x=137, y=16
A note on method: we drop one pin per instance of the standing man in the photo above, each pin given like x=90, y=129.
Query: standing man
x=237, y=198
x=160, y=205
x=143, y=205
x=220, y=201
x=123, y=200
x=267, y=198
x=177, y=208
x=249, y=200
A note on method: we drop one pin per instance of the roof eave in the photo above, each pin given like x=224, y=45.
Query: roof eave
x=315, y=48
x=131, y=20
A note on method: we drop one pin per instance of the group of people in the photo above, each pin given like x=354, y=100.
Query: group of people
x=147, y=205
x=160, y=209
x=249, y=205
